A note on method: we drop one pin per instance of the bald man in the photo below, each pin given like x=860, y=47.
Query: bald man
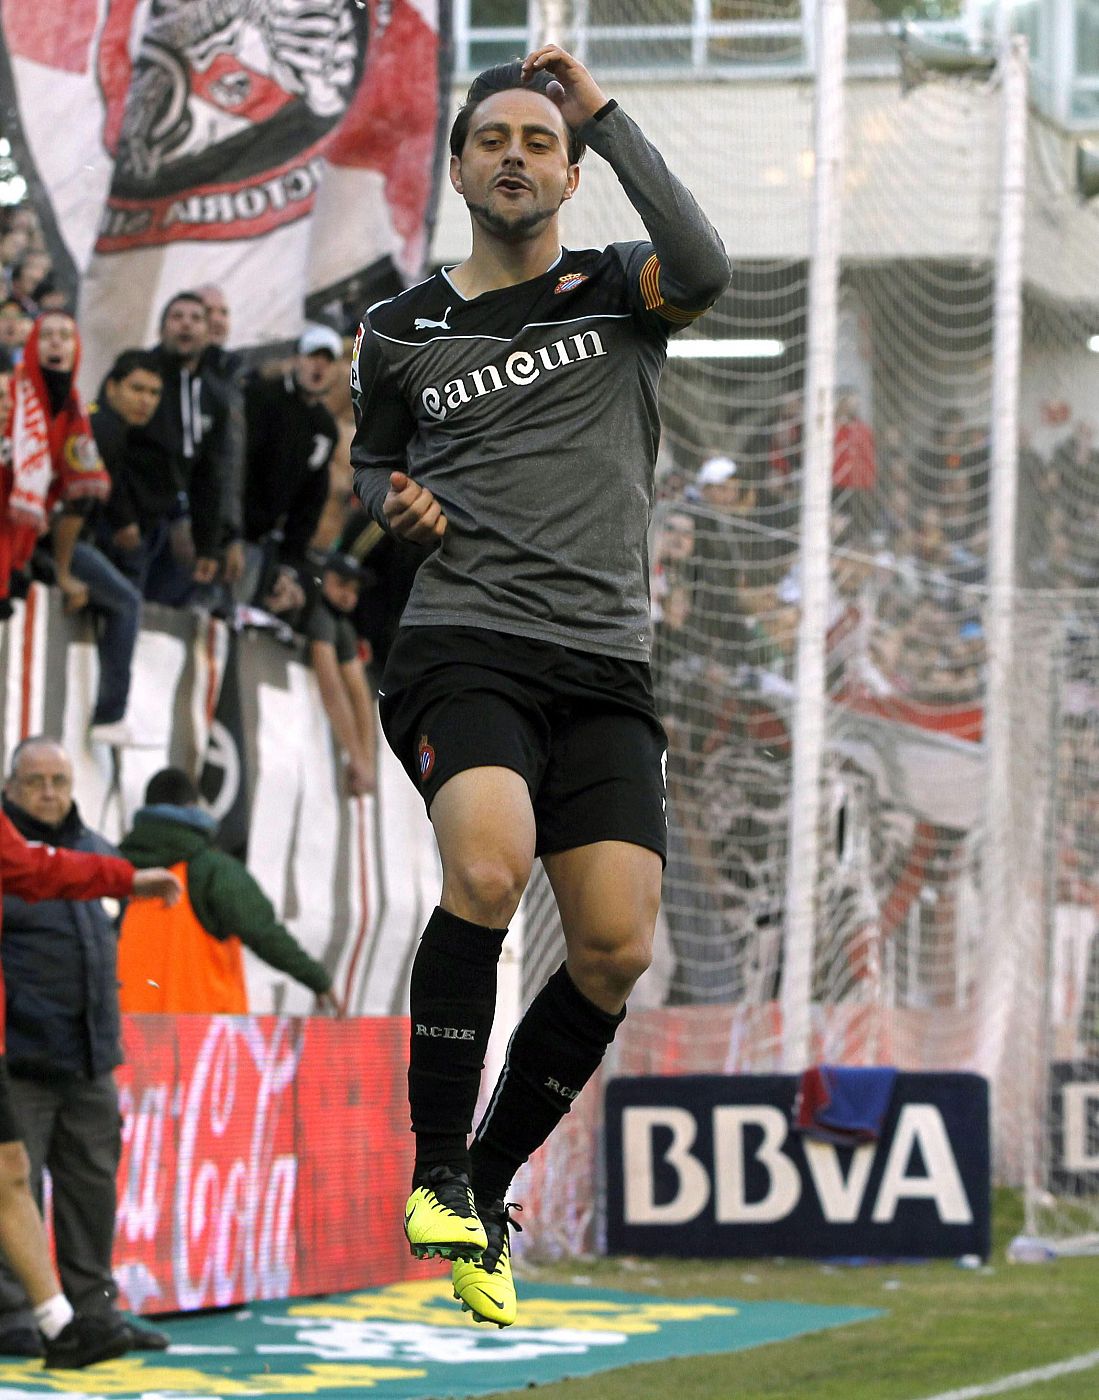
x=58, y=1101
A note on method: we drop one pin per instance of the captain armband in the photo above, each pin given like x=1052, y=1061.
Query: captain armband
x=653, y=298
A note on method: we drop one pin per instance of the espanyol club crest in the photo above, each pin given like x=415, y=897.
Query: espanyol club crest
x=569, y=282
x=219, y=123
x=426, y=757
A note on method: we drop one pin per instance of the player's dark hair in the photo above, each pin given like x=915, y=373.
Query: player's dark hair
x=130, y=360
x=171, y=786
x=503, y=78
x=176, y=299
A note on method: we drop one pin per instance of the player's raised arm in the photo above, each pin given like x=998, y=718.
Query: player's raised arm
x=692, y=267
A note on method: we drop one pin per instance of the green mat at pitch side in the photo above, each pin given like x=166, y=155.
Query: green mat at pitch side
x=411, y=1341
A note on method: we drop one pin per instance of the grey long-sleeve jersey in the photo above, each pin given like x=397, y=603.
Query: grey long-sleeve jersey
x=530, y=413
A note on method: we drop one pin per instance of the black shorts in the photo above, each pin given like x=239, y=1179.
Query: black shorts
x=10, y=1131
x=579, y=727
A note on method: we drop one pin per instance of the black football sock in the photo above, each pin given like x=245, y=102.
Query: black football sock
x=452, y=1000
x=555, y=1050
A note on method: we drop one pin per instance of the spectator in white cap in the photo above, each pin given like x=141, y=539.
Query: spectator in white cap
x=727, y=550
x=316, y=339
x=290, y=437
x=724, y=486
x=715, y=470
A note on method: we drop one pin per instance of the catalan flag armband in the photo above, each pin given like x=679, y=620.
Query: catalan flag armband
x=653, y=298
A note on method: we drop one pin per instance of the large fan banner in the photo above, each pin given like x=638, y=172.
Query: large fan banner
x=278, y=148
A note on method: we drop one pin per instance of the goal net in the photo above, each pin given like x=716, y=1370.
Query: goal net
x=935, y=945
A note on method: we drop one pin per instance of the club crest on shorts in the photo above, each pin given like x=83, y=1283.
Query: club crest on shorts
x=569, y=282
x=425, y=756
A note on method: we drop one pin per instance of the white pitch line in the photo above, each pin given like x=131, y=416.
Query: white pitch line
x=1022, y=1379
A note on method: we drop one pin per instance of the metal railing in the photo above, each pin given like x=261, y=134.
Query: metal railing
x=704, y=47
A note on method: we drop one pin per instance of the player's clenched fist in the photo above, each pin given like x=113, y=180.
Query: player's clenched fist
x=412, y=512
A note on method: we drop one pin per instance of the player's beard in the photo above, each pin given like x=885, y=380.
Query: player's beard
x=514, y=230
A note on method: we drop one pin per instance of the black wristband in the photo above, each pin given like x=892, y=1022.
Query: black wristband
x=604, y=111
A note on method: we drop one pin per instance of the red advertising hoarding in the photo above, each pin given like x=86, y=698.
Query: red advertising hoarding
x=263, y=1157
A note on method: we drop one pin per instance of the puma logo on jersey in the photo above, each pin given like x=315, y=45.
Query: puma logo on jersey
x=425, y=323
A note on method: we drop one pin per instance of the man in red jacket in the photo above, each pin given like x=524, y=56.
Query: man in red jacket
x=36, y=872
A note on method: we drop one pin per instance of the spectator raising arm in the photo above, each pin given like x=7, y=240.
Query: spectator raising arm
x=228, y=903
x=347, y=703
x=334, y=653
x=189, y=960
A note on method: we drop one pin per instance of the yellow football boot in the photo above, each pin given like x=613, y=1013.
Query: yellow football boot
x=485, y=1286
x=440, y=1220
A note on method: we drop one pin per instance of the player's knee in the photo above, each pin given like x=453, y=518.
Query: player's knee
x=627, y=963
x=15, y=1168
x=486, y=891
x=613, y=954
x=608, y=967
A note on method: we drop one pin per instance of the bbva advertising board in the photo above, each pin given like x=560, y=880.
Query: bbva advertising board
x=711, y=1165
x=1074, y=1128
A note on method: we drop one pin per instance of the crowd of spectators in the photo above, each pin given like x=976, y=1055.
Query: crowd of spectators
x=907, y=563
x=192, y=478
x=197, y=476
x=905, y=641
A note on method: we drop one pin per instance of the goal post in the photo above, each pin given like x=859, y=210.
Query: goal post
x=810, y=695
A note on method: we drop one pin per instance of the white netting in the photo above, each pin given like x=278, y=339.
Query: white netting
x=715, y=580
x=917, y=959
x=915, y=342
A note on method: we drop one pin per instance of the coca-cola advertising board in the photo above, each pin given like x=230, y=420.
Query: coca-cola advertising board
x=263, y=1157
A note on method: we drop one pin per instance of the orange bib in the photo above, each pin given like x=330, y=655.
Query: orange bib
x=168, y=962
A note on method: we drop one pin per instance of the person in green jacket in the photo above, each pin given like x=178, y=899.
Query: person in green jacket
x=191, y=962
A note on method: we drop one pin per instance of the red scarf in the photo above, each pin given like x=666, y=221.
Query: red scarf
x=53, y=458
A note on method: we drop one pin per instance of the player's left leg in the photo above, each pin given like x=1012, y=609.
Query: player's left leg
x=608, y=895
